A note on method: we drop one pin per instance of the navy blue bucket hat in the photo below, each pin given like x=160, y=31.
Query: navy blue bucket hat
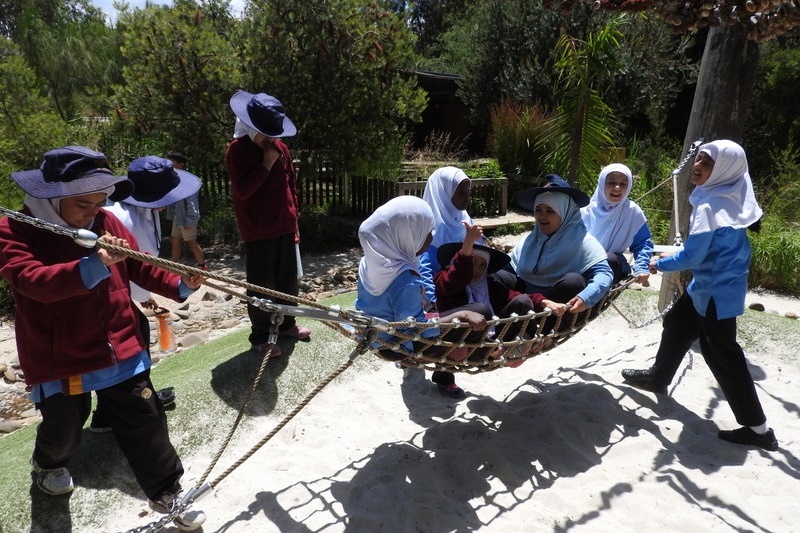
x=72, y=171
x=553, y=183
x=263, y=113
x=158, y=183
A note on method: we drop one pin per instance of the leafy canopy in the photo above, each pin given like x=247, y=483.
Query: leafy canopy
x=343, y=70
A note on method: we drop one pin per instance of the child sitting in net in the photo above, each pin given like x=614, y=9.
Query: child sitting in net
x=619, y=223
x=390, y=286
x=468, y=279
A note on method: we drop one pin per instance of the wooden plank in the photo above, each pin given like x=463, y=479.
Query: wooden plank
x=512, y=216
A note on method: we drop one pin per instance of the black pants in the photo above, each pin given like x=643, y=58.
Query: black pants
x=722, y=353
x=619, y=266
x=520, y=305
x=270, y=263
x=563, y=290
x=139, y=424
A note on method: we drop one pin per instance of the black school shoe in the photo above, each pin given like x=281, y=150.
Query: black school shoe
x=643, y=379
x=167, y=398
x=452, y=390
x=745, y=435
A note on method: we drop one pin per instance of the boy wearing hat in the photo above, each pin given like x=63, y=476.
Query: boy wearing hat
x=76, y=329
x=185, y=215
x=265, y=203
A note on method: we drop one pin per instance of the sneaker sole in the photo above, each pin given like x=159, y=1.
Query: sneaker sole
x=183, y=526
x=53, y=492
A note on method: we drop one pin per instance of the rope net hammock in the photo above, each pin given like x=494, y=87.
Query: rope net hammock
x=494, y=349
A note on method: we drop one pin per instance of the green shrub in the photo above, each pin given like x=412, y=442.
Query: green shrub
x=320, y=232
x=217, y=221
x=774, y=265
x=515, y=132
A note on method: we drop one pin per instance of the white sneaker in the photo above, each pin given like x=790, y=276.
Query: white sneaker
x=188, y=520
x=53, y=481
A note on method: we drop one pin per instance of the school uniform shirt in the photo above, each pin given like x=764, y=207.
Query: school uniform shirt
x=401, y=300
x=185, y=213
x=67, y=322
x=145, y=225
x=717, y=249
x=264, y=202
x=720, y=262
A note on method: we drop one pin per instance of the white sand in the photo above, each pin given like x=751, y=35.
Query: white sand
x=558, y=444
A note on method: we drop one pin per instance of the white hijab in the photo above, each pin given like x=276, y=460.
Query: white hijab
x=726, y=199
x=438, y=194
x=391, y=237
x=240, y=129
x=143, y=222
x=49, y=209
x=614, y=225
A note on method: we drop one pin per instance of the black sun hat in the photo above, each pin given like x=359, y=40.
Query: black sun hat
x=553, y=183
x=263, y=113
x=158, y=183
x=497, y=259
x=72, y=171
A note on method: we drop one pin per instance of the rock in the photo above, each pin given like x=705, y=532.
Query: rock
x=230, y=323
x=3, y=368
x=193, y=339
x=182, y=313
x=791, y=314
x=9, y=426
x=10, y=375
x=756, y=307
x=209, y=297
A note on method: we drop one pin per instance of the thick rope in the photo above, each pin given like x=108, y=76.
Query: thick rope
x=333, y=375
x=239, y=416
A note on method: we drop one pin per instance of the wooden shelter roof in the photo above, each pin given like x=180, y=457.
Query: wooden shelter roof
x=763, y=19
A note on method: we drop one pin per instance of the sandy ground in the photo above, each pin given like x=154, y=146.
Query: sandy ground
x=558, y=444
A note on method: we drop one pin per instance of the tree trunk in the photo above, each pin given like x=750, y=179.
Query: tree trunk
x=719, y=110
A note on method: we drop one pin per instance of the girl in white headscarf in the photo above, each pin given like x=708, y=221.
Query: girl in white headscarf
x=717, y=251
x=447, y=194
x=389, y=284
x=619, y=224
x=560, y=259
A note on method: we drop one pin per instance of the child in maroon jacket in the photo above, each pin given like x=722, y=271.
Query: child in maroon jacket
x=468, y=278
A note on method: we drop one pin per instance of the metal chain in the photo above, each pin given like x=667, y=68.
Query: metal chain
x=659, y=316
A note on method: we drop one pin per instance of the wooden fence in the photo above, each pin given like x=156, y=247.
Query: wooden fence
x=358, y=196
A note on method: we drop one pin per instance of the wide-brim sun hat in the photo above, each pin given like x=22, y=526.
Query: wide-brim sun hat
x=553, y=183
x=497, y=259
x=158, y=183
x=72, y=171
x=263, y=113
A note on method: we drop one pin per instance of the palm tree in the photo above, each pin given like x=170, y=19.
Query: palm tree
x=583, y=128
